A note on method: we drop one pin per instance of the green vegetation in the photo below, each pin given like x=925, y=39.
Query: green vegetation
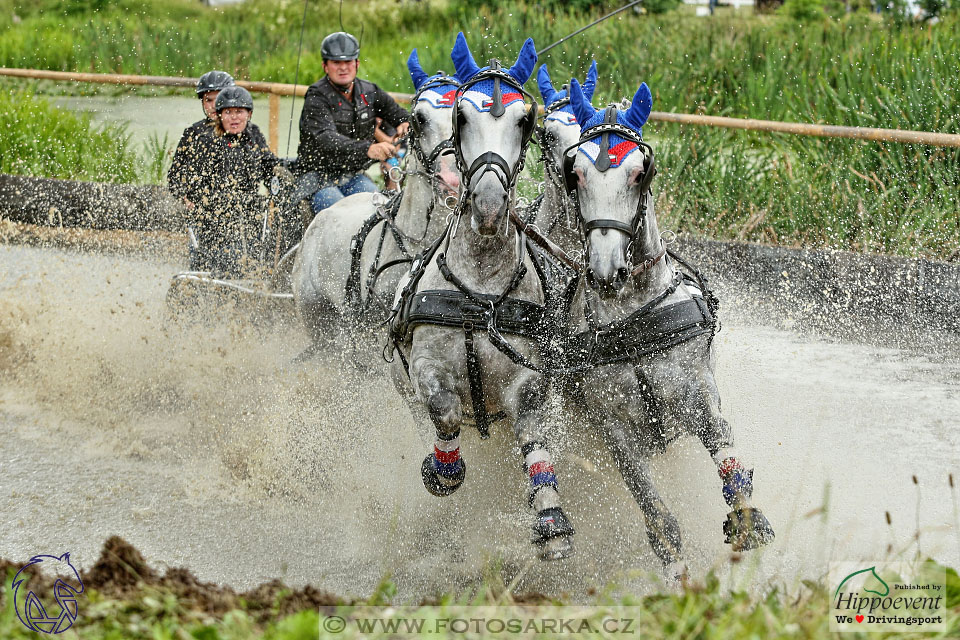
x=698, y=612
x=41, y=140
x=858, y=70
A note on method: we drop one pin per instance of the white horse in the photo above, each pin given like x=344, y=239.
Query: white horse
x=354, y=253
x=555, y=216
x=479, y=280
x=644, y=324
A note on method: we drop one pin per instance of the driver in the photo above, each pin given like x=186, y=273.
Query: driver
x=338, y=122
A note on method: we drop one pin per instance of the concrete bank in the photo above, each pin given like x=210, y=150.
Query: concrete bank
x=814, y=285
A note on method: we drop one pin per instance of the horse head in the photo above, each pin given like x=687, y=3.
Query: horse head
x=492, y=125
x=608, y=171
x=431, y=128
x=560, y=127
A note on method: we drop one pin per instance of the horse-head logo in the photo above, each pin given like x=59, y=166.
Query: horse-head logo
x=31, y=611
x=871, y=579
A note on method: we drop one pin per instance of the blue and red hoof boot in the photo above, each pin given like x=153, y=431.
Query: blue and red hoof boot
x=441, y=478
x=745, y=527
x=553, y=533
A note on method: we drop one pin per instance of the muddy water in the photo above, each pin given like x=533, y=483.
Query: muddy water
x=202, y=447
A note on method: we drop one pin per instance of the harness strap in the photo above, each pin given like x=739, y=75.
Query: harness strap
x=652, y=404
x=352, y=295
x=606, y=223
x=649, y=262
x=484, y=163
x=451, y=277
x=475, y=377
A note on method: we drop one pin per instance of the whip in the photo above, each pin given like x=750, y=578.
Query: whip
x=296, y=76
x=592, y=24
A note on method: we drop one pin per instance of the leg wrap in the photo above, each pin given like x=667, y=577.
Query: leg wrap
x=539, y=468
x=447, y=463
x=737, y=481
x=443, y=470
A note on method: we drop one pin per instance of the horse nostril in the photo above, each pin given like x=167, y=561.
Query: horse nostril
x=622, y=274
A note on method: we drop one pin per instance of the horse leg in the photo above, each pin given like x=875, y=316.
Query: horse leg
x=553, y=532
x=443, y=470
x=663, y=530
x=745, y=527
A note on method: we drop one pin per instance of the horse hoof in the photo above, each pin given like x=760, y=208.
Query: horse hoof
x=674, y=573
x=747, y=528
x=557, y=548
x=440, y=485
x=553, y=533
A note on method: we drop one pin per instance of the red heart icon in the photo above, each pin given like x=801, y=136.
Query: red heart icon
x=859, y=618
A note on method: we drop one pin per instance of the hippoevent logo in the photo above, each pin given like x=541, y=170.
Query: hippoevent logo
x=887, y=596
x=47, y=618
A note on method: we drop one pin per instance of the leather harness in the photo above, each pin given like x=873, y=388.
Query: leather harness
x=462, y=306
x=385, y=218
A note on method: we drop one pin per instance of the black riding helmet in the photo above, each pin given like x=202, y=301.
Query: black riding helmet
x=340, y=46
x=213, y=81
x=234, y=97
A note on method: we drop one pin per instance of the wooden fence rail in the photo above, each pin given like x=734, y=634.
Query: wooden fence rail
x=276, y=89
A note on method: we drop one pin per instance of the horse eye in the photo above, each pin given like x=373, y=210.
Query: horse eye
x=422, y=119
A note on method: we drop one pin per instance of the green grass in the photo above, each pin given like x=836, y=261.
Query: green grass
x=858, y=70
x=700, y=612
x=41, y=140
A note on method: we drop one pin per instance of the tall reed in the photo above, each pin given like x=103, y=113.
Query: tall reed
x=856, y=71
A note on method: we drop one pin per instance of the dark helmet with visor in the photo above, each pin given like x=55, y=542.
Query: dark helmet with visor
x=213, y=81
x=234, y=97
x=340, y=46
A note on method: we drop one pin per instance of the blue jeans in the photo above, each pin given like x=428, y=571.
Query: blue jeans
x=340, y=188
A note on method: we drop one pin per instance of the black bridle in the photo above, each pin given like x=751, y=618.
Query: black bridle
x=491, y=161
x=551, y=167
x=604, y=130
x=427, y=161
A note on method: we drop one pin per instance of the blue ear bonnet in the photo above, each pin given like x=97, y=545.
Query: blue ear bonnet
x=633, y=118
x=480, y=95
x=620, y=148
x=563, y=114
x=439, y=96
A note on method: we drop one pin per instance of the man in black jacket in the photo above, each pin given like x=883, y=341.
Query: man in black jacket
x=338, y=121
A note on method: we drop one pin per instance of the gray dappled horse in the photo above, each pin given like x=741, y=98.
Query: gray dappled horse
x=645, y=323
x=555, y=216
x=478, y=280
x=354, y=253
